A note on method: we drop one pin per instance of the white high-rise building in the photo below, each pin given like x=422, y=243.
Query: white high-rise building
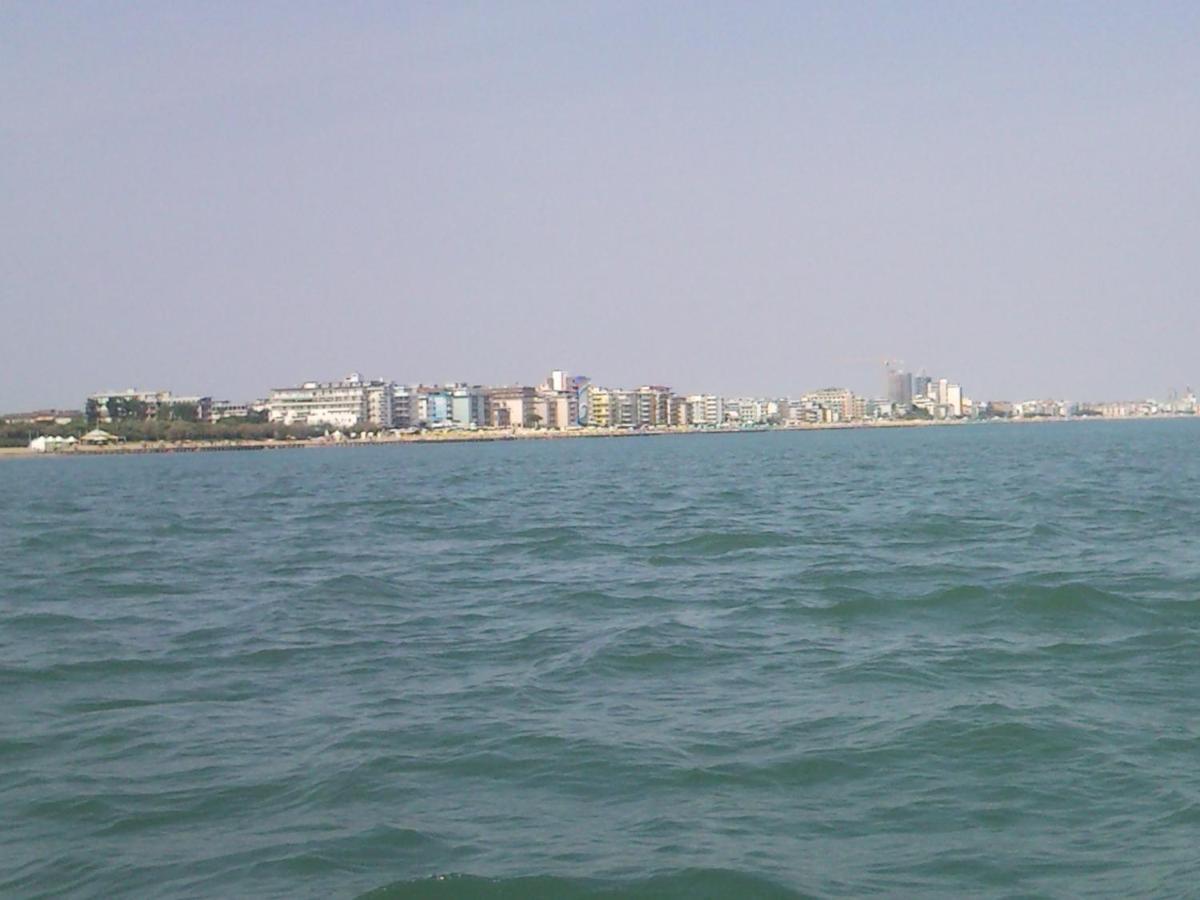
x=943, y=392
x=340, y=404
x=954, y=400
x=705, y=409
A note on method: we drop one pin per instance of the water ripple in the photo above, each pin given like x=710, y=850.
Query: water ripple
x=930, y=662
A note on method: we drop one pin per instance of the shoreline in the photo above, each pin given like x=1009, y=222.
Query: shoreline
x=515, y=434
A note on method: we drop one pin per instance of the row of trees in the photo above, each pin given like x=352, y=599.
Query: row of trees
x=225, y=430
x=18, y=434
x=116, y=408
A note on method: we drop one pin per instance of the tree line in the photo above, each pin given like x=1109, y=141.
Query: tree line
x=123, y=409
x=18, y=434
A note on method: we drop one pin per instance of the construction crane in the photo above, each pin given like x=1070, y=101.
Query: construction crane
x=860, y=360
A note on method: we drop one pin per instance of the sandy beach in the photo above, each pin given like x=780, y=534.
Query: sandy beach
x=449, y=436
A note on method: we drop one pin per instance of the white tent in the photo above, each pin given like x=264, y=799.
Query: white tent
x=47, y=443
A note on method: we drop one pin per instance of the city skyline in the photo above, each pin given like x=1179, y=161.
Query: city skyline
x=902, y=388
x=885, y=389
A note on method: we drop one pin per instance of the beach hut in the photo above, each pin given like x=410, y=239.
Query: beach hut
x=98, y=436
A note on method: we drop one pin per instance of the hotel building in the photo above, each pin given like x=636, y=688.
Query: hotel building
x=511, y=407
x=339, y=404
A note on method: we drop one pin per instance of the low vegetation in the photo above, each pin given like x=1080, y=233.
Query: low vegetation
x=19, y=434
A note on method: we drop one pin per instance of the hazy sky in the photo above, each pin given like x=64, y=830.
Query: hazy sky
x=745, y=198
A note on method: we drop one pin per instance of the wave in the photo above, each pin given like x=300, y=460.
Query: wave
x=1072, y=603
x=689, y=883
x=354, y=586
x=719, y=543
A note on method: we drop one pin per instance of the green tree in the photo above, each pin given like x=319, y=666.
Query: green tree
x=185, y=412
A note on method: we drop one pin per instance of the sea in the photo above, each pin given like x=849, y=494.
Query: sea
x=921, y=662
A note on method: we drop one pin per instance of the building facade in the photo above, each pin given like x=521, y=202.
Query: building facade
x=228, y=409
x=679, y=411
x=899, y=387
x=135, y=405
x=653, y=406
x=468, y=406
x=436, y=407
x=840, y=404
x=706, y=410
x=405, y=413
x=511, y=407
x=338, y=404
x=599, y=406
x=556, y=409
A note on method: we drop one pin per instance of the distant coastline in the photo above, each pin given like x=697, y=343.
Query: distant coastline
x=362, y=411
x=493, y=435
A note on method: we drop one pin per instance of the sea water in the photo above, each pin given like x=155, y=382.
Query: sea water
x=916, y=662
